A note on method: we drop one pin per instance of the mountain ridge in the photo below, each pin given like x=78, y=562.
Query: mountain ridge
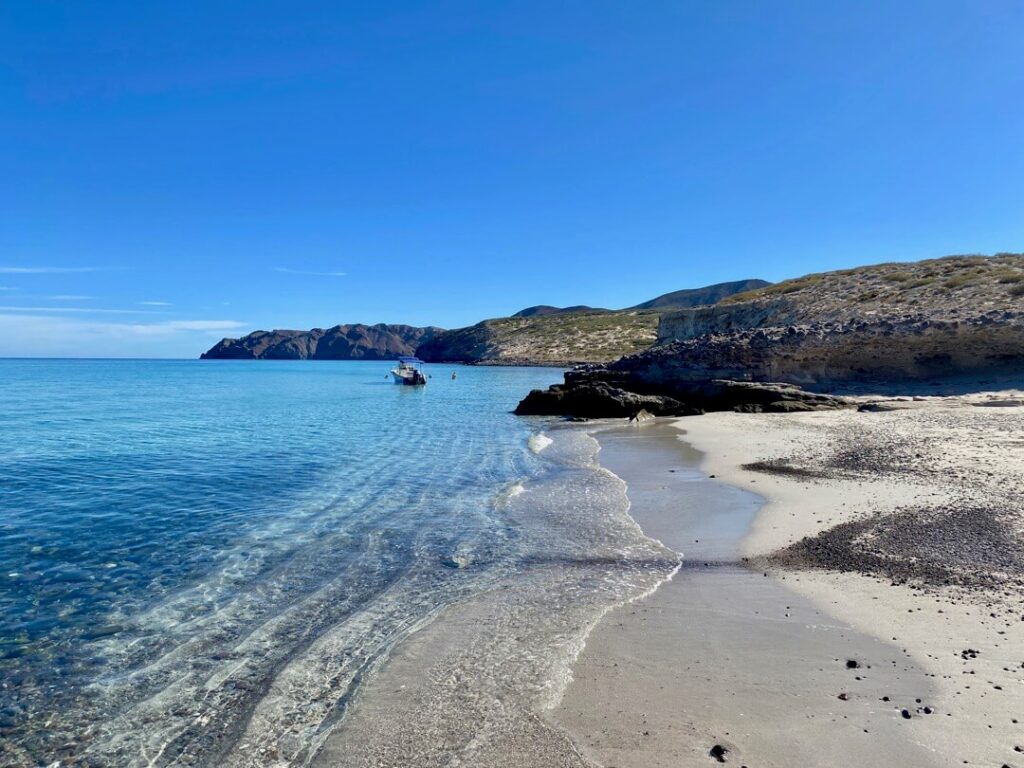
x=539, y=335
x=354, y=341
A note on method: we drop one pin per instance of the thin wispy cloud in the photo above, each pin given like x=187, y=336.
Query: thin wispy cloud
x=62, y=336
x=7, y=288
x=44, y=270
x=69, y=297
x=155, y=303
x=80, y=309
x=203, y=325
x=290, y=271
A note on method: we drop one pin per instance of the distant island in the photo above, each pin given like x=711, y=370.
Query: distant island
x=541, y=335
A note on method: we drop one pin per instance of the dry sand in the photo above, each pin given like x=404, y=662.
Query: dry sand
x=920, y=583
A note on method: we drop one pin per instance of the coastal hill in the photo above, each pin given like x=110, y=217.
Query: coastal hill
x=698, y=297
x=549, y=335
x=880, y=326
x=560, y=338
x=342, y=342
x=547, y=309
x=954, y=287
x=541, y=335
x=688, y=297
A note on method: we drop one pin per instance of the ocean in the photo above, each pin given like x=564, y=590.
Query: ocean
x=214, y=563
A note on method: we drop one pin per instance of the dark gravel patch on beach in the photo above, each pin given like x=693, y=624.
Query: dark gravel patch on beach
x=852, y=456
x=964, y=545
x=784, y=468
x=882, y=454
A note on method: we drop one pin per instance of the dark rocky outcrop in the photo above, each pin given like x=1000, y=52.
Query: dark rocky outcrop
x=342, y=342
x=596, y=400
x=601, y=392
x=764, y=369
x=834, y=354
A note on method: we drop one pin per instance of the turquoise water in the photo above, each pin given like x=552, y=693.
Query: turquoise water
x=177, y=538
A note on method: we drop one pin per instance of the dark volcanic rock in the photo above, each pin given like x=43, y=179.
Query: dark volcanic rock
x=719, y=753
x=596, y=400
x=596, y=392
x=342, y=342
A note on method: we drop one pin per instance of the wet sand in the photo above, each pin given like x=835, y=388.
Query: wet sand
x=472, y=685
x=723, y=655
x=907, y=522
x=779, y=641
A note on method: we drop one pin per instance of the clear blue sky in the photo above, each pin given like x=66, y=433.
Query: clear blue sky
x=174, y=172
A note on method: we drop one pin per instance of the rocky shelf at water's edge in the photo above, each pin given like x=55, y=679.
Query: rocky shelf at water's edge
x=881, y=327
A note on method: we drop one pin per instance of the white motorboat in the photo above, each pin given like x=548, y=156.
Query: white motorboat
x=409, y=372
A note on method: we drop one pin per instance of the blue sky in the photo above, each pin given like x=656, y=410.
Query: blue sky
x=171, y=173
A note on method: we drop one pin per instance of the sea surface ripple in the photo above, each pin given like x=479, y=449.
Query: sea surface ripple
x=204, y=563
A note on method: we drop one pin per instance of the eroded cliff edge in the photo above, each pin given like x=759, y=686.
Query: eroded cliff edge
x=881, y=325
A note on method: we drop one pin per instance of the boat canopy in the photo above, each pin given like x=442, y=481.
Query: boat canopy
x=410, y=360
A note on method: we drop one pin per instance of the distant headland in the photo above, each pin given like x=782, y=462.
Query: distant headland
x=541, y=335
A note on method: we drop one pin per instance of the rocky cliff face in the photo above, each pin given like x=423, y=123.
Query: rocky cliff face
x=957, y=315
x=834, y=354
x=342, y=342
x=882, y=325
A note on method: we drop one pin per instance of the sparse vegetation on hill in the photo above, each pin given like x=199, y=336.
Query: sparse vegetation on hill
x=950, y=284
x=540, y=335
x=549, y=339
x=883, y=325
x=546, y=335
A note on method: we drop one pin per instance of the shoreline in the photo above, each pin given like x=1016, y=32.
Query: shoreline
x=474, y=685
x=720, y=656
x=930, y=489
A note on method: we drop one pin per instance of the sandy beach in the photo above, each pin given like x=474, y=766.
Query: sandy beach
x=869, y=612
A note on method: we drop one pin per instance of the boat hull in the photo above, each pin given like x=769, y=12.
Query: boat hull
x=409, y=380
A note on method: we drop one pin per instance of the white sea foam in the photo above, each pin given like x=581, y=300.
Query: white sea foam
x=479, y=680
x=539, y=442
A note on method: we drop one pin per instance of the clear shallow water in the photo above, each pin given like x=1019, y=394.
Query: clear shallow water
x=204, y=563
